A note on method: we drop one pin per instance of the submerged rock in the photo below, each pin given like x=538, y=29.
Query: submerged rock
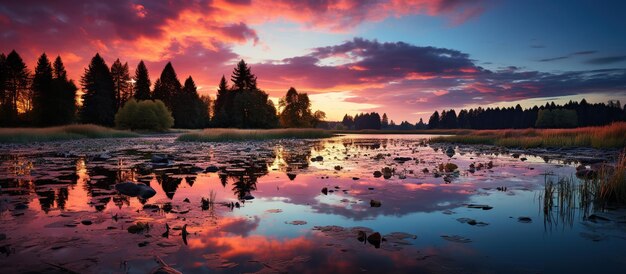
x=135, y=190
x=212, y=169
x=456, y=239
x=137, y=228
x=483, y=207
x=375, y=203
x=524, y=220
x=375, y=239
x=361, y=236
x=160, y=159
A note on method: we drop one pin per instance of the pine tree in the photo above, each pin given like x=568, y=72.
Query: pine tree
x=192, y=112
x=433, y=122
x=220, y=115
x=17, y=94
x=167, y=87
x=141, y=89
x=121, y=83
x=64, y=93
x=3, y=93
x=242, y=77
x=43, y=105
x=99, y=96
x=385, y=121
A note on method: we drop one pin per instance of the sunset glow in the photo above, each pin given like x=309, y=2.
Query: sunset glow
x=402, y=57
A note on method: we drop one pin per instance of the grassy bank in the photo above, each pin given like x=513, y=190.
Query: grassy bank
x=413, y=131
x=60, y=133
x=610, y=136
x=230, y=134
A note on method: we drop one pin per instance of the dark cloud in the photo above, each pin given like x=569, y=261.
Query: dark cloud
x=365, y=61
x=401, y=78
x=586, y=52
x=606, y=60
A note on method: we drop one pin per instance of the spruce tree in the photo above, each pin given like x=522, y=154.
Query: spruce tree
x=64, y=93
x=242, y=77
x=16, y=89
x=121, y=83
x=99, y=96
x=167, y=87
x=141, y=89
x=43, y=94
x=220, y=116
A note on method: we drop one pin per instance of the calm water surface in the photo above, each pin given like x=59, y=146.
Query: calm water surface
x=59, y=210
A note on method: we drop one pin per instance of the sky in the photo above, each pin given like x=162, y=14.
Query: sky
x=406, y=58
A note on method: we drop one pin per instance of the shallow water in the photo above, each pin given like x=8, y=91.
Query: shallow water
x=60, y=212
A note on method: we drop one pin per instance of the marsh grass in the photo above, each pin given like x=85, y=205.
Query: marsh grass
x=60, y=133
x=229, y=135
x=566, y=197
x=610, y=136
x=562, y=199
x=612, y=182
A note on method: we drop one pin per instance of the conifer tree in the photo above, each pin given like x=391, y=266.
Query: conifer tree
x=99, y=96
x=141, y=89
x=121, y=83
x=43, y=94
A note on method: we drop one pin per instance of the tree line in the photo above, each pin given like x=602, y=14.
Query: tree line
x=48, y=98
x=551, y=115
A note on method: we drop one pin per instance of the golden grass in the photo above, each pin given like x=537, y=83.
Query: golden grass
x=610, y=136
x=60, y=133
x=613, y=182
x=231, y=134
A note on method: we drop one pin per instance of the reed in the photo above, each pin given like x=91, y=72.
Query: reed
x=230, y=135
x=609, y=136
x=60, y=133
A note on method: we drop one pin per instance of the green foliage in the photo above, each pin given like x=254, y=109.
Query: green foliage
x=144, y=115
x=99, y=97
x=231, y=135
x=556, y=118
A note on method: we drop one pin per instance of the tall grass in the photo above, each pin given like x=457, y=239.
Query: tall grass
x=610, y=136
x=612, y=182
x=229, y=135
x=60, y=133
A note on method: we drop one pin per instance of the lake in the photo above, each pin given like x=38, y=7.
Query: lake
x=302, y=206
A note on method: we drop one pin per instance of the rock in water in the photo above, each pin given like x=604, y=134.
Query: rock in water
x=450, y=152
x=135, y=190
x=375, y=239
x=212, y=169
x=160, y=159
x=325, y=191
x=375, y=203
x=362, y=236
x=378, y=174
